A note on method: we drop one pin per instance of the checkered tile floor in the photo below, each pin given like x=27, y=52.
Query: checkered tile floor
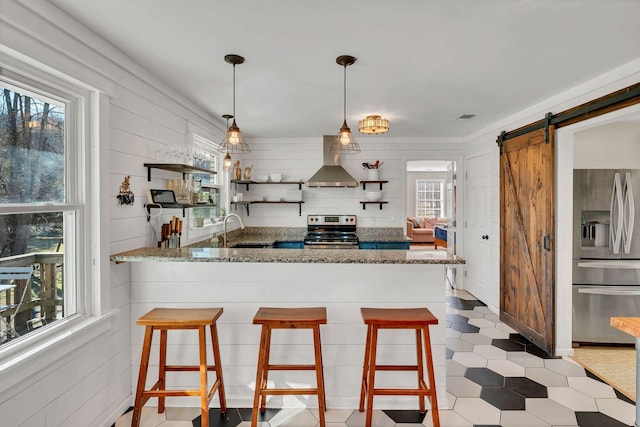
x=494, y=378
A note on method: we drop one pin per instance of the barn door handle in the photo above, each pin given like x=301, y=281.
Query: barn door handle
x=547, y=242
x=485, y=237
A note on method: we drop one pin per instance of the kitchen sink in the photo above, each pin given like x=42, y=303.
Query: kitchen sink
x=250, y=245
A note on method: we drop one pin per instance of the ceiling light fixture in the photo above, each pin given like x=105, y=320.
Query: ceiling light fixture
x=227, y=162
x=373, y=125
x=234, y=141
x=345, y=141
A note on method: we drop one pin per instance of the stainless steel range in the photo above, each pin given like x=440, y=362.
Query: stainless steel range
x=331, y=232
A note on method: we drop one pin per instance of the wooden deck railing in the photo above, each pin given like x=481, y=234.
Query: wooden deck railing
x=44, y=302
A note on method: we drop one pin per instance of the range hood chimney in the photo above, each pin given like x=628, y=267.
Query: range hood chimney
x=331, y=174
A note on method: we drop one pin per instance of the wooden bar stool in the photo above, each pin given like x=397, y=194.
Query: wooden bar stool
x=418, y=319
x=163, y=319
x=288, y=318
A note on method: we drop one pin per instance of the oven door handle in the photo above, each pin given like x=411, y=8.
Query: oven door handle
x=612, y=291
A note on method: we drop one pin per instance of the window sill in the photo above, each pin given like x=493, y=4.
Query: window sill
x=25, y=359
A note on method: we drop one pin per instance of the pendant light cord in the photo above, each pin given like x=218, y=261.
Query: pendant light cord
x=344, y=87
x=234, y=91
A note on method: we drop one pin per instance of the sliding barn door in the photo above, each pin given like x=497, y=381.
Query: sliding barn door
x=527, y=209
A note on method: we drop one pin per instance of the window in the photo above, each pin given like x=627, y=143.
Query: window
x=40, y=213
x=430, y=198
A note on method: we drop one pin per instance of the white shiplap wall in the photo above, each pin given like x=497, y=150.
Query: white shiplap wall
x=485, y=142
x=300, y=158
x=92, y=386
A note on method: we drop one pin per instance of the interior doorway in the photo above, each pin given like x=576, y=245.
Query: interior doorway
x=431, y=207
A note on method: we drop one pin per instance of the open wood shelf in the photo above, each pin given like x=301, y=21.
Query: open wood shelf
x=250, y=182
x=379, y=202
x=364, y=184
x=175, y=167
x=246, y=204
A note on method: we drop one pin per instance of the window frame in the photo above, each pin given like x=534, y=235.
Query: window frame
x=85, y=124
x=442, y=195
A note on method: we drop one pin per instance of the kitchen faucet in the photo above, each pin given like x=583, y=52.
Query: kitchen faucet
x=224, y=227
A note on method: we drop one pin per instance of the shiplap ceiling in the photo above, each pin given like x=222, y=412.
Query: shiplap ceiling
x=421, y=63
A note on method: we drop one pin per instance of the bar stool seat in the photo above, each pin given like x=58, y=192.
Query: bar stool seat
x=288, y=318
x=164, y=319
x=418, y=319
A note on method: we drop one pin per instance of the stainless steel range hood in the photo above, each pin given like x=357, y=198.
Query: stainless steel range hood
x=331, y=174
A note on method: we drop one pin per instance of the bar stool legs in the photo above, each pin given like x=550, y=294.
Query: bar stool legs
x=288, y=318
x=163, y=319
x=417, y=319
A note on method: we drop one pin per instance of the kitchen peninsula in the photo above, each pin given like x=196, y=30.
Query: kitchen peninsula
x=240, y=280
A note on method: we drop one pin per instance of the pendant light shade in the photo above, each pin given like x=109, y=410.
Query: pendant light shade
x=234, y=141
x=345, y=141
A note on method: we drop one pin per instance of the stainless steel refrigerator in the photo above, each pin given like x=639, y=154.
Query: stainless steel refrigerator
x=606, y=252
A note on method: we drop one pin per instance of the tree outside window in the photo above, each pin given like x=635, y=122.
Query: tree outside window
x=35, y=209
x=430, y=198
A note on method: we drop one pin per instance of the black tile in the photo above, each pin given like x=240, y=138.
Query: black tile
x=525, y=387
x=464, y=327
x=484, y=377
x=597, y=419
x=449, y=353
x=463, y=304
x=502, y=398
x=406, y=417
x=230, y=419
x=594, y=376
x=507, y=344
x=245, y=414
x=530, y=347
x=624, y=398
x=457, y=318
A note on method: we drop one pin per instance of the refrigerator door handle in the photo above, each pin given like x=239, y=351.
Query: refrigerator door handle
x=612, y=291
x=629, y=212
x=615, y=215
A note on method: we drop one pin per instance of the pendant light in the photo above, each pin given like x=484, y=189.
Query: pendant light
x=345, y=141
x=227, y=162
x=234, y=141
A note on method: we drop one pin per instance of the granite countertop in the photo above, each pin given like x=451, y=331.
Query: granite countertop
x=269, y=255
x=211, y=251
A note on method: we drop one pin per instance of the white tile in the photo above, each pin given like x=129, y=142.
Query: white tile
x=380, y=419
x=452, y=333
x=476, y=339
x=455, y=369
x=617, y=409
x=506, y=368
x=572, y=398
x=293, y=417
x=483, y=309
x=148, y=418
x=182, y=414
x=565, y=367
x=482, y=323
x=333, y=415
x=494, y=333
x=459, y=345
x=525, y=359
x=591, y=387
x=477, y=411
x=504, y=327
x=448, y=419
x=521, y=419
x=550, y=411
x=492, y=317
x=470, y=360
x=490, y=352
x=463, y=387
x=546, y=377
x=176, y=423
x=471, y=314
